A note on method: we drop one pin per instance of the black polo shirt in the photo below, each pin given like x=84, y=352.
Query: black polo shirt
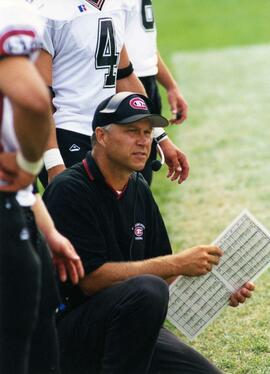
x=105, y=226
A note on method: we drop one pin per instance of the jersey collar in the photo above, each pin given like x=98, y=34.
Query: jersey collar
x=94, y=174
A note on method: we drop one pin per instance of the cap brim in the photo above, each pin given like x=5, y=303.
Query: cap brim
x=155, y=120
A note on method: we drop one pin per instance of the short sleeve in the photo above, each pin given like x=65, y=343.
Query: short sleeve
x=21, y=30
x=47, y=42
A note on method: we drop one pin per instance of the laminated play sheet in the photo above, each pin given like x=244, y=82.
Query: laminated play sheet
x=196, y=301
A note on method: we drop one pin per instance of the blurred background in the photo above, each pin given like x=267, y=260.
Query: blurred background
x=219, y=52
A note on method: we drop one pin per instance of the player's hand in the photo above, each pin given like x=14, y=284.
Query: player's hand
x=178, y=167
x=178, y=104
x=65, y=258
x=240, y=296
x=198, y=260
x=53, y=172
x=15, y=178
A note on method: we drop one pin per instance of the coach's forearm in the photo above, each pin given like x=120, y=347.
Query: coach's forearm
x=191, y=262
x=114, y=272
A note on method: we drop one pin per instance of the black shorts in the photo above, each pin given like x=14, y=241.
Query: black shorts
x=151, y=88
x=73, y=147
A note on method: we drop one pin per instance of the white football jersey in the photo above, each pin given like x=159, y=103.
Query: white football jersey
x=141, y=39
x=85, y=48
x=20, y=35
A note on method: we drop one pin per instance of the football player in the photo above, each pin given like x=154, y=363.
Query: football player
x=28, y=295
x=84, y=61
x=141, y=40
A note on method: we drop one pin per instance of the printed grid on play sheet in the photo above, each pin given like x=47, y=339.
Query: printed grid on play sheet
x=195, y=302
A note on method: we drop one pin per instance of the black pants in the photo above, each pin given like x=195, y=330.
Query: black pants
x=28, y=342
x=119, y=330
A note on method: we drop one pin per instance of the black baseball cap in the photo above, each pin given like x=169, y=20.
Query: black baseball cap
x=124, y=108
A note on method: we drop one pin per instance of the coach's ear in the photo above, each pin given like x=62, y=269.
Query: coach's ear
x=101, y=136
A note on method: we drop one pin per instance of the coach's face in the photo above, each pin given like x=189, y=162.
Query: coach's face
x=128, y=146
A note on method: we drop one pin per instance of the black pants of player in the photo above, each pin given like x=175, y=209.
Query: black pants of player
x=73, y=147
x=28, y=342
x=119, y=330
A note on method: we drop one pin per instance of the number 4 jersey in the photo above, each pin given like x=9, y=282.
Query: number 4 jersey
x=85, y=48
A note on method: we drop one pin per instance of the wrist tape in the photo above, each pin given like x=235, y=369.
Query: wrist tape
x=161, y=137
x=33, y=168
x=52, y=158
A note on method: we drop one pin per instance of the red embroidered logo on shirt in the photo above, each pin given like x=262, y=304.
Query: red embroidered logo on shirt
x=139, y=231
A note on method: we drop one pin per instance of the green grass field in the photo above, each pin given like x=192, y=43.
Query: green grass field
x=219, y=53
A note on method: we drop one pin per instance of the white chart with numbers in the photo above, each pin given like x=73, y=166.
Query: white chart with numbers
x=196, y=301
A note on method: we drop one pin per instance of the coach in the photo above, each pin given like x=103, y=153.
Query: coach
x=112, y=322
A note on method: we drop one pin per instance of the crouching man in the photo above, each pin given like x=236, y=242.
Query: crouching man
x=113, y=321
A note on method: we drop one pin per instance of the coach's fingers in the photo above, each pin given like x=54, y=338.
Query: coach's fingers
x=242, y=294
x=214, y=259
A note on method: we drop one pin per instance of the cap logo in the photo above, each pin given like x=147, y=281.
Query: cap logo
x=138, y=103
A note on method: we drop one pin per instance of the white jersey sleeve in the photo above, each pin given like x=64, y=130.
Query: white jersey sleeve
x=20, y=29
x=141, y=40
x=50, y=38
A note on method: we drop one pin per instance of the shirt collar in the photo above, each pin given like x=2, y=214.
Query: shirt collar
x=94, y=174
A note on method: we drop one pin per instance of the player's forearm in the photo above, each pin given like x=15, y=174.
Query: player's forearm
x=32, y=131
x=164, y=76
x=42, y=216
x=112, y=273
x=30, y=101
x=130, y=83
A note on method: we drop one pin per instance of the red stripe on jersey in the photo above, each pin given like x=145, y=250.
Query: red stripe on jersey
x=96, y=3
x=1, y=119
x=86, y=167
x=4, y=50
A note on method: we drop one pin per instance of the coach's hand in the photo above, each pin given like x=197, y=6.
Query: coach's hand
x=178, y=167
x=15, y=178
x=198, y=260
x=53, y=172
x=240, y=296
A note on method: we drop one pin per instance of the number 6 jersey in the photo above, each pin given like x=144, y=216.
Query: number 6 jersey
x=85, y=48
